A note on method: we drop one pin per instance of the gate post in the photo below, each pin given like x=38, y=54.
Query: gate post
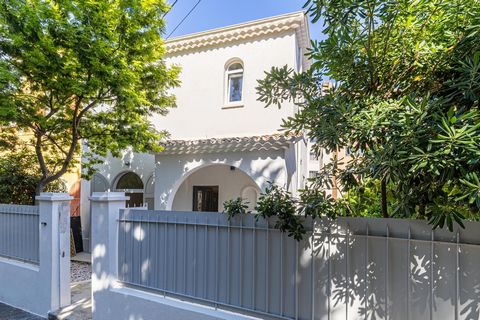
x=105, y=212
x=54, y=210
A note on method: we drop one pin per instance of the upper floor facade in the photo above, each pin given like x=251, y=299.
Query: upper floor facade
x=220, y=69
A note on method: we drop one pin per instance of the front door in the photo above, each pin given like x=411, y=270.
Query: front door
x=136, y=199
x=205, y=198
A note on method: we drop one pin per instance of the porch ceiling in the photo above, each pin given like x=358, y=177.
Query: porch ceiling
x=233, y=144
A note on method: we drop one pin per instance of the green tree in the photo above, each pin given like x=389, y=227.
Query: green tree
x=75, y=71
x=405, y=99
x=19, y=176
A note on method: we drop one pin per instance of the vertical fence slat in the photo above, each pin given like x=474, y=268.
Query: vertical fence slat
x=366, y=273
x=282, y=277
x=165, y=247
x=387, y=271
x=431, y=273
x=185, y=257
x=267, y=273
x=457, y=271
x=241, y=261
x=217, y=260
x=254, y=251
x=408, y=271
x=346, y=271
x=329, y=274
x=312, y=269
x=296, y=279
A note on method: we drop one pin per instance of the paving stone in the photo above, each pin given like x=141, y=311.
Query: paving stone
x=10, y=313
x=81, y=307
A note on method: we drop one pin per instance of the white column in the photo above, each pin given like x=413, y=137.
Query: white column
x=105, y=212
x=55, y=246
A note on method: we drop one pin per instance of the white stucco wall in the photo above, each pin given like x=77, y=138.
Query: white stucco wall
x=44, y=287
x=171, y=171
x=230, y=184
x=201, y=95
x=111, y=169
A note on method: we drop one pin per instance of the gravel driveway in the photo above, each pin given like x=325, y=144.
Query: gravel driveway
x=80, y=271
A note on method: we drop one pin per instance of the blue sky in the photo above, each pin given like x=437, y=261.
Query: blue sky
x=211, y=14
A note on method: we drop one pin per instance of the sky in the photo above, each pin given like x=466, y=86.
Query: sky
x=210, y=14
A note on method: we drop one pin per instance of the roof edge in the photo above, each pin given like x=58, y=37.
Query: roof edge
x=295, y=20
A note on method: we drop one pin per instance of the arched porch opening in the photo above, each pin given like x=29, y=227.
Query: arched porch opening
x=206, y=188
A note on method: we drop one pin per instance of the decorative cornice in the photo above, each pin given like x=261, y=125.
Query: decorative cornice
x=293, y=21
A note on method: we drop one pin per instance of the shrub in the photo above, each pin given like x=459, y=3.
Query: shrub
x=234, y=207
x=276, y=202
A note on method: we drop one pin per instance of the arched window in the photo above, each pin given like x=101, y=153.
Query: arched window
x=234, y=81
x=129, y=181
x=132, y=185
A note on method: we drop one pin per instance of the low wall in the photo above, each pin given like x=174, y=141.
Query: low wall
x=44, y=286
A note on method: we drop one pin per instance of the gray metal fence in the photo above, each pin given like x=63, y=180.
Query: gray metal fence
x=19, y=232
x=349, y=268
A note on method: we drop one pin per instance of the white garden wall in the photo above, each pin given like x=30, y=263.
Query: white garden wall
x=43, y=287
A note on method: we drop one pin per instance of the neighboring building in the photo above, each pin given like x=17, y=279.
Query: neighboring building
x=223, y=142
x=71, y=180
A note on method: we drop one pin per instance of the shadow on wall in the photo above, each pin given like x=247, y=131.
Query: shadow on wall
x=375, y=277
x=339, y=273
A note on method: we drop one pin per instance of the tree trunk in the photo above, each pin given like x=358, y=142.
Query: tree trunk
x=384, y=198
x=40, y=186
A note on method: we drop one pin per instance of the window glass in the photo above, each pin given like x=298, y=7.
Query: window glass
x=130, y=180
x=235, y=66
x=235, y=87
x=234, y=74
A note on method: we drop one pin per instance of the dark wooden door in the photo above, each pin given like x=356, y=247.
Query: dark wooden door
x=136, y=199
x=205, y=198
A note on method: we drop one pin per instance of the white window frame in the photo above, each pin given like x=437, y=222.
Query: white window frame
x=228, y=75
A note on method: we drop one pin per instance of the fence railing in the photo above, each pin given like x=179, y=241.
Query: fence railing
x=19, y=232
x=347, y=269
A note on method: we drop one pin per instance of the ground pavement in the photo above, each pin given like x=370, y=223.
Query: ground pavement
x=8, y=313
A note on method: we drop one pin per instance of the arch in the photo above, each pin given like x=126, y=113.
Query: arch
x=98, y=183
x=130, y=183
x=232, y=61
x=128, y=180
x=250, y=194
x=149, y=192
x=175, y=188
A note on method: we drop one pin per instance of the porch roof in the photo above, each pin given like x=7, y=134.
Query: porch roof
x=231, y=144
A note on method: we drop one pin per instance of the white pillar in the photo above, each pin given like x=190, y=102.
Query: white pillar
x=54, y=246
x=105, y=212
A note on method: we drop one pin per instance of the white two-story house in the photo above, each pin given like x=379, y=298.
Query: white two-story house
x=223, y=142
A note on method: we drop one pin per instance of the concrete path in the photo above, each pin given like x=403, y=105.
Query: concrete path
x=10, y=313
x=81, y=307
x=82, y=257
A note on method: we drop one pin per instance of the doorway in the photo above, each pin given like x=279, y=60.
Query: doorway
x=132, y=185
x=205, y=198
